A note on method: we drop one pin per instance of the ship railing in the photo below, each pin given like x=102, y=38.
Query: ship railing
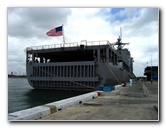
x=73, y=44
x=43, y=47
x=102, y=42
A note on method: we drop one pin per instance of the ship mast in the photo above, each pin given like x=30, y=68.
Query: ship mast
x=119, y=42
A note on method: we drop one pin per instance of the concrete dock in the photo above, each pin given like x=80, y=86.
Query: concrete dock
x=137, y=103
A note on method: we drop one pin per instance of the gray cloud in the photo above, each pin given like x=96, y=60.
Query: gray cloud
x=34, y=22
x=28, y=27
x=138, y=21
x=145, y=24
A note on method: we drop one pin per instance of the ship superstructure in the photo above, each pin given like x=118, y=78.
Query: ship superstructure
x=78, y=66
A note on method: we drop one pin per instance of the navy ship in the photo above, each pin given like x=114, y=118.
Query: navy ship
x=80, y=66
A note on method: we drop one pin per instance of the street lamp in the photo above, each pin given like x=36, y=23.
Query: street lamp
x=151, y=70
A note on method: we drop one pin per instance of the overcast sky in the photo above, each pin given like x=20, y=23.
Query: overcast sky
x=28, y=26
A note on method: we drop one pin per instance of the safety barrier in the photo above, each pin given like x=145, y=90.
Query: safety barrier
x=44, y=110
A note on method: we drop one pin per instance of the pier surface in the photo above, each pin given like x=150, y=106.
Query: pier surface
x=136, y=103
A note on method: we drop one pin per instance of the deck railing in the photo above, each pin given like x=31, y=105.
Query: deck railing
x=73, y=44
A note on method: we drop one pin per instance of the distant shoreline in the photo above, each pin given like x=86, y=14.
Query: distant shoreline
x=23, y=76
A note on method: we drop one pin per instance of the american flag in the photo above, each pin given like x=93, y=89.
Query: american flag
x=55, y=32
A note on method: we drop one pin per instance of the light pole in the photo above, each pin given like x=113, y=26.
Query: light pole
x=151, y=70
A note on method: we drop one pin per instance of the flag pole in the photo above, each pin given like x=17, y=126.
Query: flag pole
x=63, y=35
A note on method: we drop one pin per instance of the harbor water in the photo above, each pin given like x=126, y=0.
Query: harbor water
x=22, y=96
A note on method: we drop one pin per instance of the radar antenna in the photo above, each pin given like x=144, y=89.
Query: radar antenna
x=119, y=42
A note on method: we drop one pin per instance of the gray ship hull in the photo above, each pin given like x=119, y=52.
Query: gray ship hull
x=81, y=67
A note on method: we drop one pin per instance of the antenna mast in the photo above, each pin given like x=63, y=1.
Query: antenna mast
x=119, y=41
x=121, y=33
